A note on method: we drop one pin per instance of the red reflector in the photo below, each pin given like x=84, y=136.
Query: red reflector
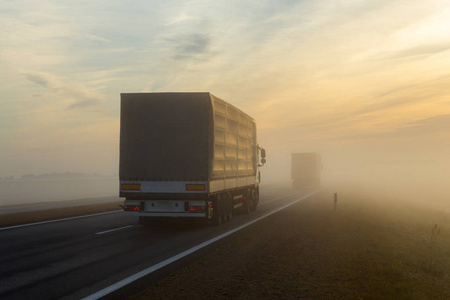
x=195, y=187
x=131, y=208
x=197, y=209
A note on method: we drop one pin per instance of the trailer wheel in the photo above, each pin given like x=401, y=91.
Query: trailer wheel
x=217, y=211
x=224, y=204
x=248, y=202
x=230, y=206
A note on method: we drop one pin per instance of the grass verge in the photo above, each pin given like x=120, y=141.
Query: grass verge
x=52, y=214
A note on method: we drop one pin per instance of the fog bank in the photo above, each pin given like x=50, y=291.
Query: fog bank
x=18, y=192
x=412, y=178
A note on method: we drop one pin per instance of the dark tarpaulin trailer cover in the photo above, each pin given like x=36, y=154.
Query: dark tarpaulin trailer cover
x=184, y=137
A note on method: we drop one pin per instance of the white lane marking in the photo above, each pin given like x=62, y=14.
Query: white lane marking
x=102, y=232
x=128, y=280
x=60, y=220
x=272, y=199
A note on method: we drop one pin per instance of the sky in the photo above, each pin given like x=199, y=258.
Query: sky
x=364, y=83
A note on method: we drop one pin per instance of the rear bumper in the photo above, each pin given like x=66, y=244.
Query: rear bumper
x=166, y=215
x=168, y=208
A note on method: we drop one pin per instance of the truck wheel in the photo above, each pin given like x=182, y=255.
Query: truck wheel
x=255, y=199
x=217, y=211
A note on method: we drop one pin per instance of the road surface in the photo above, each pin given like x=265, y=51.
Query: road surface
x=76, y=258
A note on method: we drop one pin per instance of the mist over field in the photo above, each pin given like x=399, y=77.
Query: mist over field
x=388, y=175
x=19, y=192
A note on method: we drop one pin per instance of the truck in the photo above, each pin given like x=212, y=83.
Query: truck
x=187, y=155
x=305, y=170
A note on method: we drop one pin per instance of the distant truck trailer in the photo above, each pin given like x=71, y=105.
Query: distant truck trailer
x=305, y=170
x=187, y=155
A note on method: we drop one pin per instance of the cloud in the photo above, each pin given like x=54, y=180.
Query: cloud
x=84, y=99
x=61, y=93
x=93, y=37
x=182, y=17
x=422, y=50
x=192, y=46
x=388, y=104
x=415, y=130
x=407, y=95
x=39, y=79
x=439, y=123
x=83, y=104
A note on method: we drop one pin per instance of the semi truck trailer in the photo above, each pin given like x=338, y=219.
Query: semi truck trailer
x=305, y=171
x=187, y=155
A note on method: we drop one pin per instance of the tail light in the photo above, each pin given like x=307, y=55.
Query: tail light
x=197, y=209
x=131, y=208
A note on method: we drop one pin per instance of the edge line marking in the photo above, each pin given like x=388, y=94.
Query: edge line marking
x=115, y=229
x=114, y=287
x=60, y=220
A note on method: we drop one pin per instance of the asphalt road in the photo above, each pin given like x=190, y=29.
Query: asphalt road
x=75, y=258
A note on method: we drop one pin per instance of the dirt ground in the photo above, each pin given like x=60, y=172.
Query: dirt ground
x=368, y=249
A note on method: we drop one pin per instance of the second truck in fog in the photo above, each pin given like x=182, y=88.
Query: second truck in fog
x=187, y=155
x=305, y=171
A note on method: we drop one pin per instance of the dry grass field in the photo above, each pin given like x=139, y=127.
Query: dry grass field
x=56, y=213
x=371, y=248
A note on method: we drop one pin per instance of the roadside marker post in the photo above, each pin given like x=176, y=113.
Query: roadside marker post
x=335, y=201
